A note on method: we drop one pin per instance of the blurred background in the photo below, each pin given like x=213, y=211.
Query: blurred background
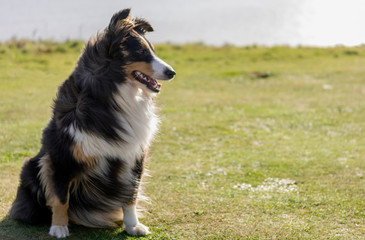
x=213, y=22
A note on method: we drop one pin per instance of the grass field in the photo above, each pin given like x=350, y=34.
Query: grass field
x=255, y=142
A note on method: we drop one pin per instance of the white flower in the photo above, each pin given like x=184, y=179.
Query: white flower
x=271, y=185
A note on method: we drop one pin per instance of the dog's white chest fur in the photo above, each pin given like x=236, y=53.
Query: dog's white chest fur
x=137, y=118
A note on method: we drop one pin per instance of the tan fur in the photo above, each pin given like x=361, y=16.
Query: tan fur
x=152, y=47
x=45, y=175
x=59, y=212
x=145, y=45
x=124, y=22
x=80, y=156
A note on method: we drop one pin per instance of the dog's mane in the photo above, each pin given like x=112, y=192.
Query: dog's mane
x=86, y=98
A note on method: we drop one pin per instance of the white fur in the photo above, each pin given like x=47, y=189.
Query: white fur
x=59, y=231
x=138, y=120
x=132, y=225
x=159, y=67
x=138, y=230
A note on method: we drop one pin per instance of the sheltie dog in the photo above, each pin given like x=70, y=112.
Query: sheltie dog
x=89, y=168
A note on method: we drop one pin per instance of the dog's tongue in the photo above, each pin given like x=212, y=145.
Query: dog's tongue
x=150, y=83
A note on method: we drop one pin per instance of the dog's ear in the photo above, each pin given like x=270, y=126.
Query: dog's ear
x=120, y=17
x=142, y=26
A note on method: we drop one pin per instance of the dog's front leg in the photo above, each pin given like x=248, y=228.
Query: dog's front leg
x=59, y=204
x=57, y=198
x=59, y=227
x=132, y=225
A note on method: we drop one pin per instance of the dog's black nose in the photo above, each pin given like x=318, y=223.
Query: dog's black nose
x=170, y=73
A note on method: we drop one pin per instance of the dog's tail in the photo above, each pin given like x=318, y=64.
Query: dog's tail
x=30, y=204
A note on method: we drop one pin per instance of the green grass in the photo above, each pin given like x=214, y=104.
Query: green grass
x=232, y=117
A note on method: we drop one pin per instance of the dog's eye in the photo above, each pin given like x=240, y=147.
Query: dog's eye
x=144, y=51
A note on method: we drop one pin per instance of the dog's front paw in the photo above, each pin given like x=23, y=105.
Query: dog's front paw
x=59, y=231
x=137, y=230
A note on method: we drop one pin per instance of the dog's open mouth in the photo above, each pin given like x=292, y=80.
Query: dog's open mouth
x=150, y=83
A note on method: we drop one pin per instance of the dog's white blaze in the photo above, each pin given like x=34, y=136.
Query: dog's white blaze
x=138, y=120
x=159, y=67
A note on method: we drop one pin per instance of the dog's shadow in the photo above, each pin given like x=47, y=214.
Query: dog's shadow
x=14, y=230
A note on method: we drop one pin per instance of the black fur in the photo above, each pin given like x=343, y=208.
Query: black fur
x=30, y=204
x=107, y=186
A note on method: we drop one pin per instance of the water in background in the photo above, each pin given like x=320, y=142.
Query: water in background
x=217, y=22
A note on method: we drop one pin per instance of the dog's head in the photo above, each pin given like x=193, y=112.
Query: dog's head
x=128, y=46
